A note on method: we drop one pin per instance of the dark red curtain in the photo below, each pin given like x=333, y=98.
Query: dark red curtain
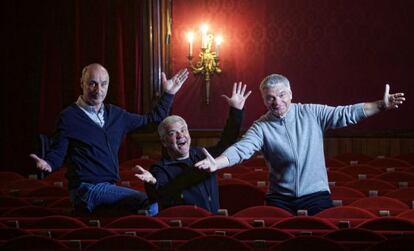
x=47, y=45
x=333, y=51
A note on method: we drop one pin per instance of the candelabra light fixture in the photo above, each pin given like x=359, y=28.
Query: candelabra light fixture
x=208, y=58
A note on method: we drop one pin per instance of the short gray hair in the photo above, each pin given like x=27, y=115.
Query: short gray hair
x=273, y=80
x=169, y=120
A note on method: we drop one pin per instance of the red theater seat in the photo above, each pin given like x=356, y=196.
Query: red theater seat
x=230, y=197
x=305, y=225
x=8, y=233
x=6, y=176
x=362, y=171
x=351, y=158
x=355, y=238
x=29, y=211
x=227, y=225
x=405, y=195
x=334, y=163
x=9, y=202
x=399, y=179
x=82, y=237
x=173, y=237
x=397, y=244
x=346, y=215
x=372, y=187
x=174, y=233
x=262, y=238
x=381, y=206
x=268, y=215
x=390, y=227
x=122, y=242
x=32, y=242
x=346, y=195
x=309, y=243
x=388, y=162
x=87, y=233
x=214, y=243
x=408, y=215
x=230, y=172
x=408, y=157
x=183, y=214
x=55, y=226
x=256, y=162
x=339, y=177
x=136, y=224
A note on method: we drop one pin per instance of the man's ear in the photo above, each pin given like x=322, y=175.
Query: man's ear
x=163, y=143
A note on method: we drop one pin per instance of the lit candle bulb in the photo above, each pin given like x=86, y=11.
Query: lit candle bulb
x=219, y=40
x=204, y=38
x=190, y=37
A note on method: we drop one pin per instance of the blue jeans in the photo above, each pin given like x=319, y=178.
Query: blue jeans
x=313, y=203
x=91, y=196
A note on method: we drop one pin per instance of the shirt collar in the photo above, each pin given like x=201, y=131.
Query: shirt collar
x=89, y=108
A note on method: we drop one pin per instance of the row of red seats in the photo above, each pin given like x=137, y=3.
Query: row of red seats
x=67, y=229
x=336, y=241
x=257, y=216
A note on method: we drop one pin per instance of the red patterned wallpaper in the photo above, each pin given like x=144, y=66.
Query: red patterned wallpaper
x=333, y=52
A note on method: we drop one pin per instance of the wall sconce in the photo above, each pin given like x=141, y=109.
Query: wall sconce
x=208, y=63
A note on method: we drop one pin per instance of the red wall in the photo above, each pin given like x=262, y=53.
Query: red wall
x=333, y=52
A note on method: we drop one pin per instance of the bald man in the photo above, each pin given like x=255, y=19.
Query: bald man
x=88, y=136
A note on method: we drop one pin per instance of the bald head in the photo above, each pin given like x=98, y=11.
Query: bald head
x=94, y=84
x=95, y=67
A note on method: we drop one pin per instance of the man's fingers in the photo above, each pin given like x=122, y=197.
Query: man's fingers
x=207, y=154
x=225, y=96
x=387, y=90
x=234, y=88
x=239, y=87
x=247, y=95
x=34, y=156
x=200, y=164
x=139, y=168
x=163, y=77
x=141, y=177
x=243, y=90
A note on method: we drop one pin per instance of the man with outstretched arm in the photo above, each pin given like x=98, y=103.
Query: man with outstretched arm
x=174, y=180
x=88, y=136
x=290, y=136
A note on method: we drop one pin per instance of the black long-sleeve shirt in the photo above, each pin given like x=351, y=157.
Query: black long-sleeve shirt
x=180, y=183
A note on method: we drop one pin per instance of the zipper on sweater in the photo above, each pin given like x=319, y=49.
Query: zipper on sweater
x=283, y=121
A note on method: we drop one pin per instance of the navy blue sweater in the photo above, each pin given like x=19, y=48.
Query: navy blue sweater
x=179, y=182
x=91, y=151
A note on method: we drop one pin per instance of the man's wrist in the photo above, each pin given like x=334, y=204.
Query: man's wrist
x=381, y=105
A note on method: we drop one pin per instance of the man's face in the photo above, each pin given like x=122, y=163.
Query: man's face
x=277, y=99
x=177, y=140
x=94, y=85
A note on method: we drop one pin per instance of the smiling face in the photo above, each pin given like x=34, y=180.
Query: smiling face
x=277, y=99
x=94, y=84
x=176, y=139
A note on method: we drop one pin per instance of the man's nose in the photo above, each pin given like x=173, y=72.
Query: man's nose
x=277, y=101
x=179, y=135
x=98, y=88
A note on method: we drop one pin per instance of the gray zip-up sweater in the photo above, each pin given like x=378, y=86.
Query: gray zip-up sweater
x=293, y=145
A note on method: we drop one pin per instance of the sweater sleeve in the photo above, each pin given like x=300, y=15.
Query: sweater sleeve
x=161, y=111
x=336, y=117
x=56, y=154
x=248, y=145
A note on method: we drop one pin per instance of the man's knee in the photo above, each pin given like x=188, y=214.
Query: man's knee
x=134, y=202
